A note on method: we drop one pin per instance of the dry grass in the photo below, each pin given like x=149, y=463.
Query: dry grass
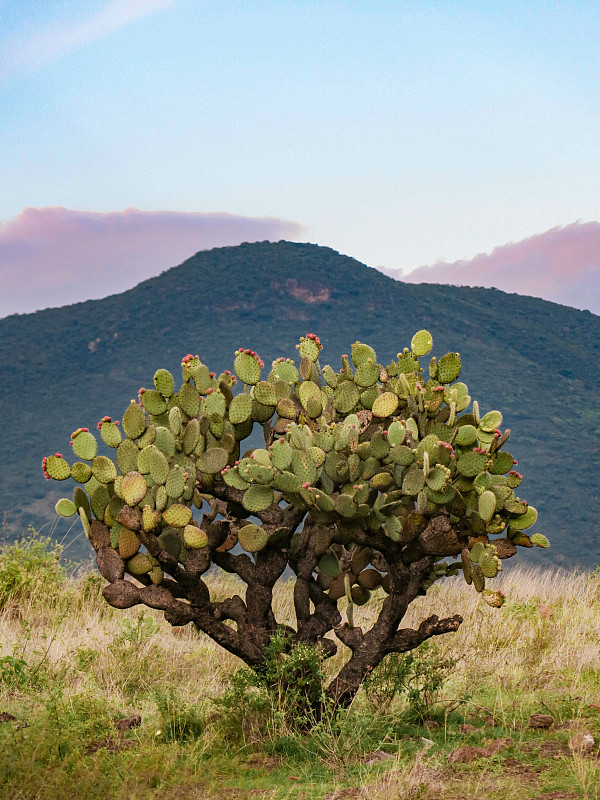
x=90, y=664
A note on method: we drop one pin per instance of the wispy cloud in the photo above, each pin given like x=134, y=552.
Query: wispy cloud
x=562, y=265
x=55, y=256
x=42, y=46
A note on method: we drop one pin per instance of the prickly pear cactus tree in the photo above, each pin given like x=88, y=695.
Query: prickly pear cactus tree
x=371, y=480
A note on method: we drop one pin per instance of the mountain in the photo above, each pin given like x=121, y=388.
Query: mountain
x=536, y=361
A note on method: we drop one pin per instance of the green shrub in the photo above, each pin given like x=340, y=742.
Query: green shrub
x=30, y=569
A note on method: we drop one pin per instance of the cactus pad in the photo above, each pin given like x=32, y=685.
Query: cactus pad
x=257, y=498
x=65, y=507
x=345, y=397
x=194, y=538
x=177, y=515
x=84, y=445
x=385, y=405
x=252, y=538
x=164, y=383
x=448, y=368
x=133, y=488
x=421, y=343
x=247, y=367
x=129, y=543
x=134, y=421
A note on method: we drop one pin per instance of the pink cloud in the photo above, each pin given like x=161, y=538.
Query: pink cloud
x=562, y=265
x=55, y=256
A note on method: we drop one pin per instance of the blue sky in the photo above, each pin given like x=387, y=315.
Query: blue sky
x=401, y=133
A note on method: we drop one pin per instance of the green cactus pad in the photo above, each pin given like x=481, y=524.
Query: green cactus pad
x=264, y=392
x=81, y=472
x=99, y=501
x=133, y=488
x=171, y=543
x=486, y=506
x=448, y=368
x=281, y=453
x=65, y=507
x=309, y=348
x=188, y=400
x=164, y=383
x=127, y=456
x=252, y=538
x=177, y=515
x=134, y=421
x=308, y=390
x=303, y=466
x=233, y=478
x=396, y=433
x=165, y=441
x=158, y=464
x=478, y=578
x=466, y=435
x=149, y=435
x=330, y=377
x=367, y=374
x=153, y=403
x=175, y=420
x=213, y=460
x=191, y=436
x=414, y=481
x=407, y=363
x=501, y=463
x=421, y=343
x=258, y=498
x=103, y=469
x=81, y=500
x=111, y=434
x=471, y=464
x=259, y=473
x=488, y=565
x=247, y=368
x=287, y=482
x=262, y=413
x=329, y=564
x=385, y=405
x=161, y=499
x=151, y=518
x=477, y=551
x=129, y=543
x=314, y=407
x=539, y=540
x=437, y=478
x=240, y=409
x=286, y=371
x=345, y=397
x=194, y=538
x=526, y=520
x=362, y=353
x=345, y=506
x=201, y=377
x=381, y=480
x=140, y=564
x=84, y=445
x=175, y=484
x=490, y=421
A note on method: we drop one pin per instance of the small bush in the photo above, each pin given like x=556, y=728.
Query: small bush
x=30, y=569
x=285, y=695
x=418, y=676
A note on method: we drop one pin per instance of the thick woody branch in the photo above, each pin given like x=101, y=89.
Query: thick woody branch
x=408, y=638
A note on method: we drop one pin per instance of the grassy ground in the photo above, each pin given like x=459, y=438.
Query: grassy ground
x=70, y=667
